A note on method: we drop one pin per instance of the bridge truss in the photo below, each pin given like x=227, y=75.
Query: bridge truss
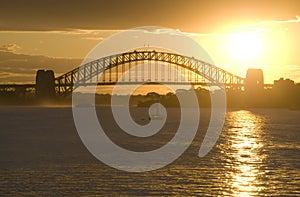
x=109, y=69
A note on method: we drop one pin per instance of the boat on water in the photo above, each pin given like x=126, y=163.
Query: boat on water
x=156, y=112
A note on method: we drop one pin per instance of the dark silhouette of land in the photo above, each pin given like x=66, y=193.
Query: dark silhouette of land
x=284, y=94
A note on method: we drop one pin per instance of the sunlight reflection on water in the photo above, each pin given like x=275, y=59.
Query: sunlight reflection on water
x=245, y=145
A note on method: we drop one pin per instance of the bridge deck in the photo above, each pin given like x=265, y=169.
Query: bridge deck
x=16, y=85
x=2, y=86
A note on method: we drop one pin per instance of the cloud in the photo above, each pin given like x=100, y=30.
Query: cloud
x=193, y=34
x=293, y=72
x=88, y=31
x=93, y=38
x=263, y=24
x=297, y=20
x=20, y=68
x=294, y=67
x=10, y=48
x=66, y=31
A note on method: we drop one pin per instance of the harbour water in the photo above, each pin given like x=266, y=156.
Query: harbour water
x=257, y=154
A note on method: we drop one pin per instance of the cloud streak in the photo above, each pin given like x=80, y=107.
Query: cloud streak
x=271, y=22
x=20, y=68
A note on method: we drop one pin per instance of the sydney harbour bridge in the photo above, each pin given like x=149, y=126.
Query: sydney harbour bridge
x=157, y=67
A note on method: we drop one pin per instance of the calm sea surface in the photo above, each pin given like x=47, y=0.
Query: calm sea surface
x=257, y=154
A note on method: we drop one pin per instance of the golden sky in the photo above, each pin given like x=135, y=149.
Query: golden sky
x=237, y=34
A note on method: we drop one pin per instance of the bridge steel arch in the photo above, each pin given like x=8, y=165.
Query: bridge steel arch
x=81, y=76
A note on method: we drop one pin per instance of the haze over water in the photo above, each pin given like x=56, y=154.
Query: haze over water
x=257, y=154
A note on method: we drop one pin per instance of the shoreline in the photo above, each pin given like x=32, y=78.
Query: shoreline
x=135, y=106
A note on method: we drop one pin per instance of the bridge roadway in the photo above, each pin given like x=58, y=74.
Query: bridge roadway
x=31, y=87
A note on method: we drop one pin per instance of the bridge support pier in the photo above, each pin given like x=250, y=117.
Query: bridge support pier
x=45, y=85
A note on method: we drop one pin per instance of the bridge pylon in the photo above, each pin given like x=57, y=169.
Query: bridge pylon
x=254, y=80
x=45, y=84
x=254, y=86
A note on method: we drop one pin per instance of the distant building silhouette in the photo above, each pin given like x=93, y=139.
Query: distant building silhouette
x=283, y=84
x=284, y=92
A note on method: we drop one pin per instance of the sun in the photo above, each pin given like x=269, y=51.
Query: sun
x=245, y=46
